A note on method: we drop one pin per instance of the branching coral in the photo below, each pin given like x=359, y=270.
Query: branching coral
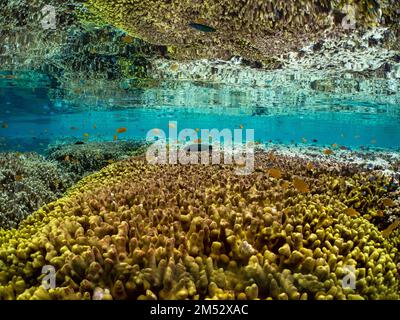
x=140, y=231
x=27, y=182
x=253, y=29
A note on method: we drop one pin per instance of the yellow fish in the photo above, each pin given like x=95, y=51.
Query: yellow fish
x=127, y=39
x=171, y=125
x=285, y=185
x=115, y=137
x=386, y=233
x=241, y=126
x=18, y=177
x=328, y=152
x=174, y=67
x=274, y=172
x=197, y=129
x=387, y=202
x=310, y=166
x=300, y=185
x=86, y=135
x=352, y=212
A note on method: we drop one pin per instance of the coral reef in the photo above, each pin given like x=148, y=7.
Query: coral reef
x=256, y=30
x=140, y=231
x=83, y=159
x=27, y=182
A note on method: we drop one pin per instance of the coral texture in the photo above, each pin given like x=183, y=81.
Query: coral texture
x=257, y=30
x=140, y=231
x=27, y=182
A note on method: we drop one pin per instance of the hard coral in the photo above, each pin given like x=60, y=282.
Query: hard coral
x=140, y=231
x=257, y=30
x=28, y=181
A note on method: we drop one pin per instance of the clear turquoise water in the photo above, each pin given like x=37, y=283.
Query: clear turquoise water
x=36, y=117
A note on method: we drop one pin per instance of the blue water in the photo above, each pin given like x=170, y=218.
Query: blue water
x=34, y=118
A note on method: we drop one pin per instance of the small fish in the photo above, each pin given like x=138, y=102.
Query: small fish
x=156, y=131
x=171, y=125
x=115, y=137
x=18, y=177
x=201, y=27
x=4, y=125
x=271, y=156
x=334, y=145
x=127, y=39
x=314, y=140
x=274, y=172
x=343, y=148
x=86, y=135
x=386, y=233
x=197, y=141
x=110, y=161
x=310, y=166
x=387, y=202
x=94, y=126
x=74, y=128
x=285, y=185
x=328, y=152
x=174, y=67
x=79, y=142
x=373, y=141
x=300, y=185
x=197, y=129
x=380, y=213
x=198, y=148
x=304, y=140
x=67, y=159
x=241, y=126
x=352, y=212
x=121, y=130
x=18, y=154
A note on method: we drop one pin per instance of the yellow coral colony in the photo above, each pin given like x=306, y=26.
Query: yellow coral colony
x=138, y=231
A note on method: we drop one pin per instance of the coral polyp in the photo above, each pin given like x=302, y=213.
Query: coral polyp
x=141, y=231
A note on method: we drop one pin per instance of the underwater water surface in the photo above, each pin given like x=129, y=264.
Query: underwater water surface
x=32, y=116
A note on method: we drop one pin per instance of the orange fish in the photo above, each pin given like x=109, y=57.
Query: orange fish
x=300, y=185
x=334, y=145
x=274, y=172
x=121, y=130
x=352, y=212
x=174, y=67
x=271, y=156
x=328, y=152
x=4, y=125
x=387, y=202
x=115, y=137
x=86, y=135
x=197, y=141
x=310, y=166
x=386, y=233
x=127, y=39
